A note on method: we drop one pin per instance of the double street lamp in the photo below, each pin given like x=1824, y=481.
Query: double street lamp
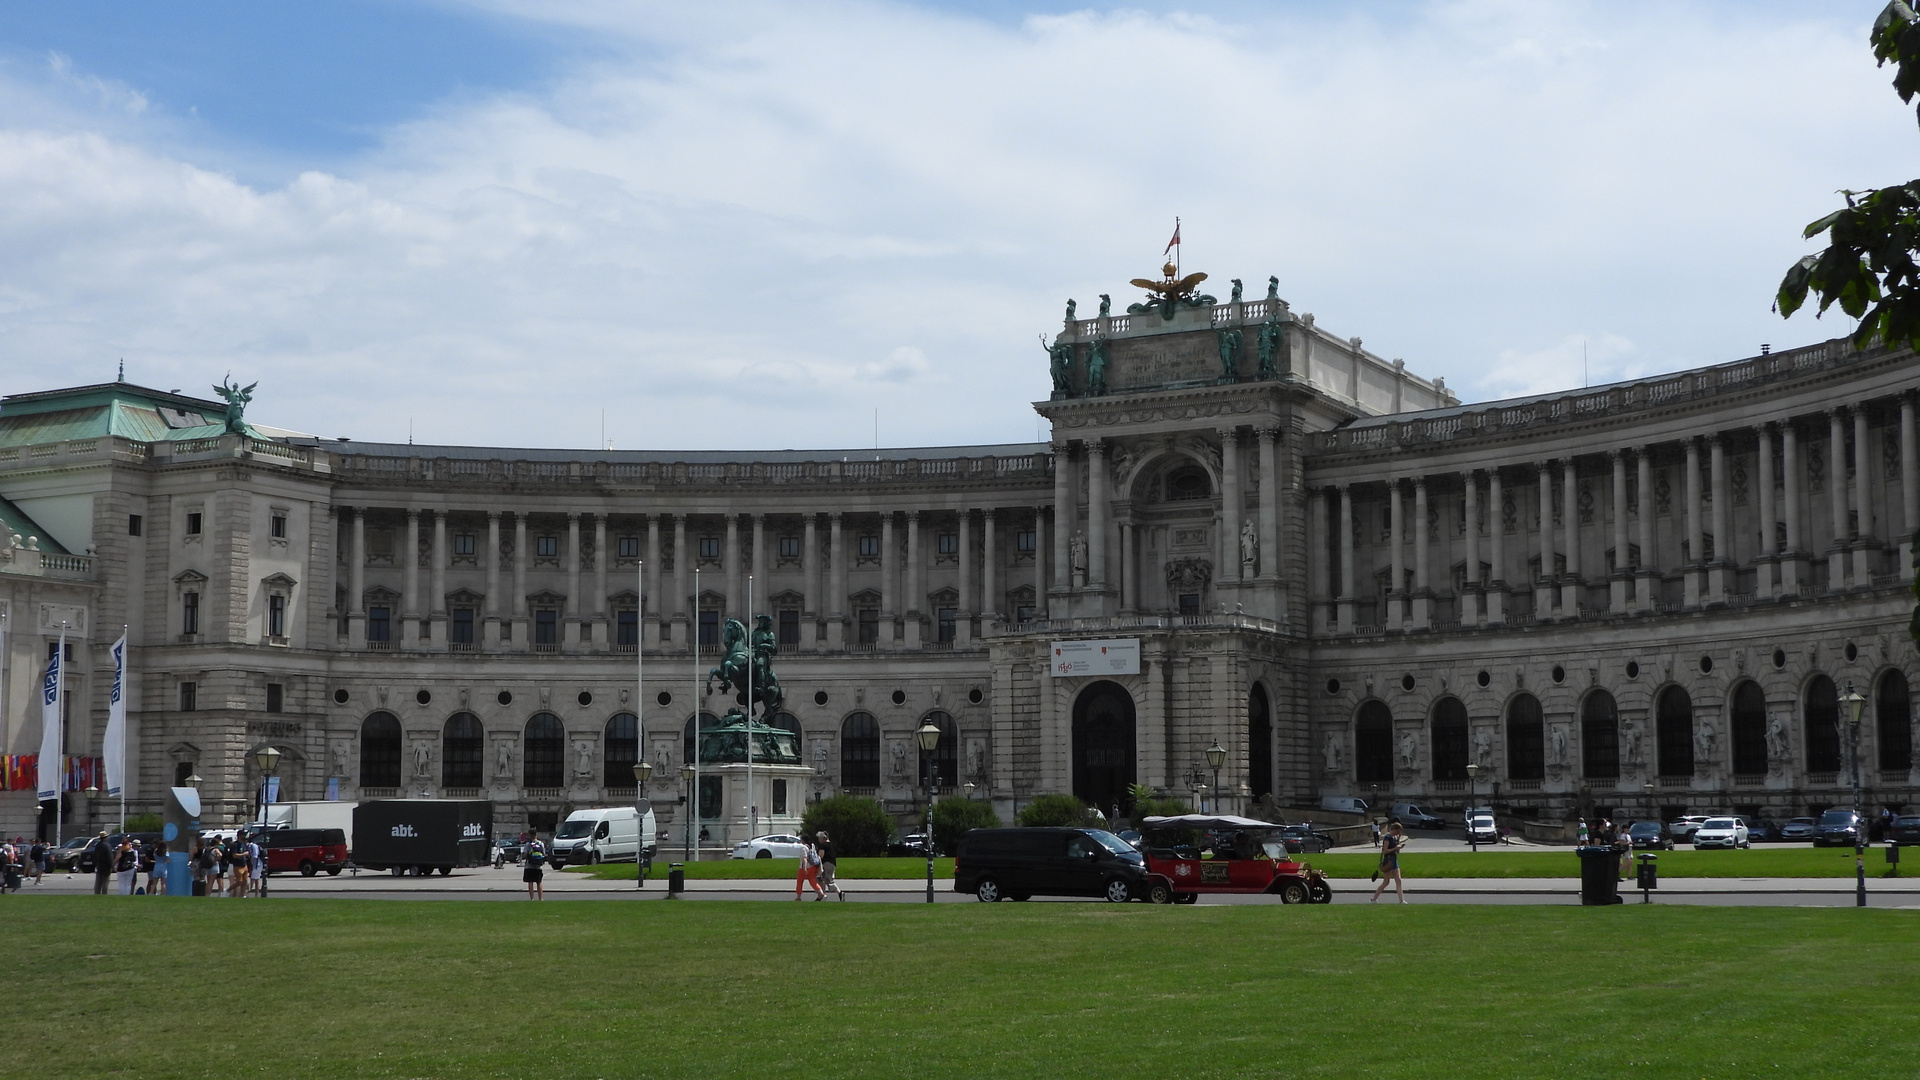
x=687, y=773
x=1854, y=701
x=928, y=735
x=1216, y=757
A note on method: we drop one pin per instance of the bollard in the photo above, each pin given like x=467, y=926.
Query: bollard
x=1893, y=859
x=1648, y=878
x=676, y=880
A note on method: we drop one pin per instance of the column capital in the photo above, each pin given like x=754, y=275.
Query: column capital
x=1228, y=434
x=1836, y=413
x=912, y=515
x=1616, y=454
x=1061, y=449
x=573, y=517
x=833, y=516
x=1712, y=438
x=1341, y=488
x=1096, y=446
x=413, y=515
x=987, y=513
x=493, y=516
x=1541, y=465
x=1420, y=483
x=1269, y=432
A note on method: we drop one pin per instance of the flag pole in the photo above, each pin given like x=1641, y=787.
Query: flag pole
x=693, y=642
x=753, y=808
x=60, y=725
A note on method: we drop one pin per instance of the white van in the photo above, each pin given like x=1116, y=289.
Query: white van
x=603, y=834
x=1343, y=804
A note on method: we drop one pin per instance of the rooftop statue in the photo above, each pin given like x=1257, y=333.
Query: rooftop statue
x=1070, y=308
x=1060, y=363
x=1230, y=344
x=236, y=397
x=1097, y=367
x=1276, y=360
x=1273, y=288
x=1170, y=292
x=1106, y=304
x=1236, y=292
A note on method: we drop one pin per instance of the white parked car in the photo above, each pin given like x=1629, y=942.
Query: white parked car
x=1682, y=828
x=1726, y=832
x=773, y=846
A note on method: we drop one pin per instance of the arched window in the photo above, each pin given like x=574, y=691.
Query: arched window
x=544, y=748
x=1373, y=743
x=1823, y=726
x=945, y=757
x=462, y=742
x=380, y=751
x=1449, y=739
x=1673, y=735
x=1749, y=729
x=621, y=746
x=1599, y=737
x=1526, y=739
x=708, y=722
x=786, y=721
x=1893, y=713
x=1188, y=483
x=860, y=751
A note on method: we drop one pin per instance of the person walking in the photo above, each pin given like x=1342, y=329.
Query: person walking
x=257, y=865
x=237, y=862
x=217, y=876
x=202, y=865
x=1389, y=871
x=37, y=860
x=809, y=873
x=829, y=864
x=126, y=866
x=535, y=858
x=102, y=863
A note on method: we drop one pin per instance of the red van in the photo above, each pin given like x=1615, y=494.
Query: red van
x=306, y=850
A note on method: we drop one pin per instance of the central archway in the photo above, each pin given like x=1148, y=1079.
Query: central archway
x=1103, y=749
x=1259, y=742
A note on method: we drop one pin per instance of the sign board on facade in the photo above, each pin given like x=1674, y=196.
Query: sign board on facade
x=1117, y=656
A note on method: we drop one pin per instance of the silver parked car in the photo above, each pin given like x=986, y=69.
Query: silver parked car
x=771, y=846
x=1721, y=832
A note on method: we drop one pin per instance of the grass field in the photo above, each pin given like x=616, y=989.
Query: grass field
x=1786, y=862
x=366, y=989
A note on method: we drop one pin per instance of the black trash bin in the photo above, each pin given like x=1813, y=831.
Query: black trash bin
x=676, y=878
x=1599, y=875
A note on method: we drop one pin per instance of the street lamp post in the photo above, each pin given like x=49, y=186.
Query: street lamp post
x=1473, y=772
x=969, y=786
x=268, y=759
x=642, y=858
x=1216, y=757
x=687, y=774
x=1853, y=702
x=929, y=737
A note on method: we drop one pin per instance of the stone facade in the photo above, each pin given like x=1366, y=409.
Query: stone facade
x=1647, y=596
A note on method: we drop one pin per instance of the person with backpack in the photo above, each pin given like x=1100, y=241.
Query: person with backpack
x=203, y=863
x=829, y=864
x=536, y=869
x=809, y=871
x=37, y=860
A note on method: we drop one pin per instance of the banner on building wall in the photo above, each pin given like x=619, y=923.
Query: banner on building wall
x=48, y=786
x=114, y=747
x=273, y=790
x=1116, y=656
x=333, y=789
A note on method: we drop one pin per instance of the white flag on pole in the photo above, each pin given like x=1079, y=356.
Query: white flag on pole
x=50, y=750
x=115, y=744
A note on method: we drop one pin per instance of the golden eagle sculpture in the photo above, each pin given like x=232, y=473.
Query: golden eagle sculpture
x=1169, y=292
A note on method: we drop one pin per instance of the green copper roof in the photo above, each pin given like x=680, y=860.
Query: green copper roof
x=15, y=520
x=90, y=412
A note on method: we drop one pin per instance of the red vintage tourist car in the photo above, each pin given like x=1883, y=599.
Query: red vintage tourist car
x=1218, y=853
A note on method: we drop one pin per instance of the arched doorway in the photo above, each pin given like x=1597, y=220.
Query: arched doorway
x=1103, y=751
x=1373, y=743
x=620, y=750
x=1749, y=729
x=1449, y=739
x=1893, y=713
x=1673, y=722
x=1259, y=742
x=1526, y=739
x=380, y=751
x=1823, y=726
x=460, y=751
x=1599, y=737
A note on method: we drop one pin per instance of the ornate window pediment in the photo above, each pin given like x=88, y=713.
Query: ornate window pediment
x=1189, y=574
x=189, y=577
x=866, y=598
x=947, y=597
x=546, y=598
x=278, y=581
x=787, y=598
x=380, y=594
x=464, y=598
x=625, y=598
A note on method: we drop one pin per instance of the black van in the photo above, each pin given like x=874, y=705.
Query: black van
x=995, y=864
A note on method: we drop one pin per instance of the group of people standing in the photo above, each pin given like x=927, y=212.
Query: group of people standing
x=236, y=867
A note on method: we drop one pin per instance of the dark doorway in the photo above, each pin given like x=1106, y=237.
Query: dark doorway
x=1526, y=739
x=1103, y=751
x=1673, y=722
x=1449, y=739
x=1749, y=729
x=1259, y=742
x=1893, y=712
x=1822, y=708
x=1599, y=737
x=1373, y=743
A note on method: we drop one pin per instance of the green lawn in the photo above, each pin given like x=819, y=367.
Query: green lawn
x=370, y=989
x=1786, y=862
x=775, y=869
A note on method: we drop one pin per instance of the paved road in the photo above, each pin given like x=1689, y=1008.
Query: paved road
x=489, y=884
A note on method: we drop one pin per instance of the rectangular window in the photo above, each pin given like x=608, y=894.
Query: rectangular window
x=506, y=629
x=1190, y=603
x=779, y=796
x=276, y=616
x=462, y=628
x=190, y=613
x=629, y=547
x=586, y=632
x=947, y=618
x=789, y=547
x=426, y=629
x=546, y=547
x=869, y=545
x=1024, y=541
x=546, y=627
x=789, y=626
x=276, y=697
x=709, y=629
x=379, y=624
x=709, y=547
x=277, y=526
x=189, y=696
x=949, y=543
x=869, y=625
x=193, y=523
x=463, y=543
x=627, y=628
x=1023, y=612
x=134, y=523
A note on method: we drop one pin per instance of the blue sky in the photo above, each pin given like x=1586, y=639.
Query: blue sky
x=753, y=224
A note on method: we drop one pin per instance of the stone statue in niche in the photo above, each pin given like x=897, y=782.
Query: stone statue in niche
x=1629, y=745
x=1776, y=744
x=899, y=752
x=1483, y=748
x=1703, y=744
x=1249, y=549
x=585, y=753
x=1331, y=751
x=1558, y=746
x=976, y=759
x=1409, y=750
x=337, y=763
x=421, y=757
x=1077, y=557
x=503, y=758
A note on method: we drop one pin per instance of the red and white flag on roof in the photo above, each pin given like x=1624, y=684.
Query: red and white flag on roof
x=1175, y=242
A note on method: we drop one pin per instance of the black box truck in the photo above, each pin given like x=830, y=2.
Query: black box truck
x=422, y=835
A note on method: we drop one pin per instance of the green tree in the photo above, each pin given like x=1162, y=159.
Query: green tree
x=1169, y=807
x=1053, y=810
x=955, y=815
x=858, y=826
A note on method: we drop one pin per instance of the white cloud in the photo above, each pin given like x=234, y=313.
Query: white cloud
x=751, y=225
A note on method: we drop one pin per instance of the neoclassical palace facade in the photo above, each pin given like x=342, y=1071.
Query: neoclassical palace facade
x=1650, y=597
